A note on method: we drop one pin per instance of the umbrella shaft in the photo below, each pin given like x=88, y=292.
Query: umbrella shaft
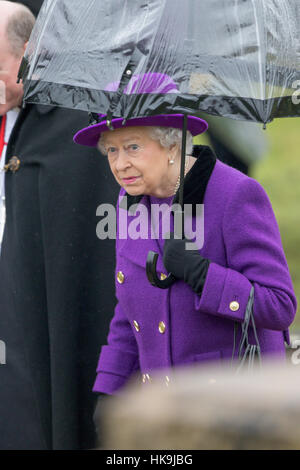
x=182, y=170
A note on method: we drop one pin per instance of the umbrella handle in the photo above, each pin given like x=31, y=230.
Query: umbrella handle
x=152, y=274
x=152, y=256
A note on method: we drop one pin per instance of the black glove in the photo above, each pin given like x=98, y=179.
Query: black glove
x=187, y=265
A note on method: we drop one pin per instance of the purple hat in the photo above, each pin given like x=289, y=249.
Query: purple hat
x=146, y=83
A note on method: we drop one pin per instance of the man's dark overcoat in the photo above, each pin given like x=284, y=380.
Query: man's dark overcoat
x=56, y=283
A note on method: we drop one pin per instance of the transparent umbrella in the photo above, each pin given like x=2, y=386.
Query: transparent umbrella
x=233, y=58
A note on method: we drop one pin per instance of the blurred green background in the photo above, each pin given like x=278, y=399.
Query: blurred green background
x=279, y=174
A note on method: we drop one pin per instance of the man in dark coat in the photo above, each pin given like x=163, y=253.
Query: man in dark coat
x=56, y=281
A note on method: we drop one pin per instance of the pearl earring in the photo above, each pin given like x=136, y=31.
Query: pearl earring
x=171, y=162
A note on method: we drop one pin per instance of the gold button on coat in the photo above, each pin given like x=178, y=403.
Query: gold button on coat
x=234, y=306
x=120, y=277
x=162, y=327
x=136, y=326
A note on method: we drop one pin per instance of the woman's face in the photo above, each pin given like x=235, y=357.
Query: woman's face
x=140, y=164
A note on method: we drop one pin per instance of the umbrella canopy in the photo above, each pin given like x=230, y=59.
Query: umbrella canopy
x=239, y=58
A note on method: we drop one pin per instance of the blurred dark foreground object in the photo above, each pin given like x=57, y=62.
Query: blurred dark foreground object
x=207, y=408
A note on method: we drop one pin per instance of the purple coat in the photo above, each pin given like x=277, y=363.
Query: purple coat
x=154, y=328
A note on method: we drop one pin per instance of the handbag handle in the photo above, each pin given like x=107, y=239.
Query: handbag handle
x=247, y=352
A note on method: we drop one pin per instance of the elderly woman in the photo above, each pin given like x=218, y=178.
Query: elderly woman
x=192, y=321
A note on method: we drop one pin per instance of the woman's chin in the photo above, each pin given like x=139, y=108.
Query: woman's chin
x=133, y=191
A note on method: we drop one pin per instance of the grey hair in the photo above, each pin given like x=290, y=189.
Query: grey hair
x=168, y=136
x=18, y=29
